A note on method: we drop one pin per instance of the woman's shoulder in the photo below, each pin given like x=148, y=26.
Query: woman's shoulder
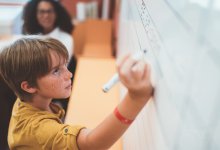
x=61, y=35
x=64, y=37
x=61, y=32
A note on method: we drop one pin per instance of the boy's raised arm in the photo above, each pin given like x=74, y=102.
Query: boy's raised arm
x=135, y=75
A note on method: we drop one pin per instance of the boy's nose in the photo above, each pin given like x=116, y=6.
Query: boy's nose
x=68, y=75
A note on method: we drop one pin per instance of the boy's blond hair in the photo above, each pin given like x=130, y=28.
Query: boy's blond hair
x=28, y=59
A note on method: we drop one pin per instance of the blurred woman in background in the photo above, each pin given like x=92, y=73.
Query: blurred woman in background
x=48, y=18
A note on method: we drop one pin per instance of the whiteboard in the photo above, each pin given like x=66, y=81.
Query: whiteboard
x=182, y=40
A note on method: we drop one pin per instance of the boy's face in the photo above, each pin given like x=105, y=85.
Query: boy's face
x=57, y=83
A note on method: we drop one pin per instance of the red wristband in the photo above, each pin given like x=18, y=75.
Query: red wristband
x=121, y=118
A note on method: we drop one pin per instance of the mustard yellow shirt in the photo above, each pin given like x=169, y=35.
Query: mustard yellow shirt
x=34, y=129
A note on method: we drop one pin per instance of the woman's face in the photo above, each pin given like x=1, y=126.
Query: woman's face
x=46, y=16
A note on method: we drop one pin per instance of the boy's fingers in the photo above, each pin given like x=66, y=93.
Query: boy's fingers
x=122, y=59
x=138, y=70
x=147, y=70
x=125, y=69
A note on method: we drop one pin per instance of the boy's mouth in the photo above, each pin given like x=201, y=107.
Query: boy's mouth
x=69, y=86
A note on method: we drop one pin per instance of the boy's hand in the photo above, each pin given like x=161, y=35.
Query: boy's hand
x=135, y=75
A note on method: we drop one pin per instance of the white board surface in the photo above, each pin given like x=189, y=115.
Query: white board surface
x=182, y=40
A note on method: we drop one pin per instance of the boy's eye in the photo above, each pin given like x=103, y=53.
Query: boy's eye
x=56, y=71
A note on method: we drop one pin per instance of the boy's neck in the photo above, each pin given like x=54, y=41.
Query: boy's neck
x=42, y=104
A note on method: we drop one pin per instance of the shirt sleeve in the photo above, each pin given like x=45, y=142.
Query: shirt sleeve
x=54, y=136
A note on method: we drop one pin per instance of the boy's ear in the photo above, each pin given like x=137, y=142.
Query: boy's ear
x=26, y=87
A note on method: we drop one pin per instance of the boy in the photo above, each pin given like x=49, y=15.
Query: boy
x=36, y=71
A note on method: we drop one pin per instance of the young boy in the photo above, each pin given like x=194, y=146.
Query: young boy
x=36, y=71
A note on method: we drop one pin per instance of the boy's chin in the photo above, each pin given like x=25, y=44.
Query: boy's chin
x=63, y=97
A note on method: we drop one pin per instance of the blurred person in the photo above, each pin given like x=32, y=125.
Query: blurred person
x=49, y=18
x=7, y=99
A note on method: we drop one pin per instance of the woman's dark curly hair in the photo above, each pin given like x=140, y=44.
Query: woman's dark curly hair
x=31, y=25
